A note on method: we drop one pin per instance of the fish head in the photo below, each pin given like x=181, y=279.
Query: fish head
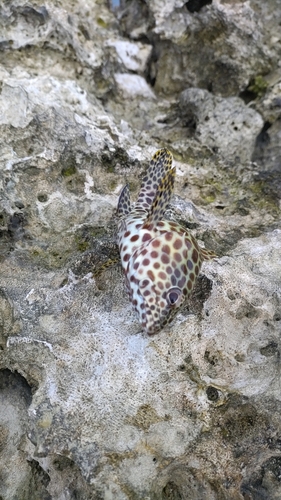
x=155, y=305
x=160, y=277
x=159, y=307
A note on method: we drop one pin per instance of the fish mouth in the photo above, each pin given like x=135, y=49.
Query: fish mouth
x=148, y=308
x=155, y=319
x=149, y=316
x=155, y=316
x=156, y=327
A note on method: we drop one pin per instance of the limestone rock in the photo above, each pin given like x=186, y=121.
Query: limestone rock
x=133, y=86
x=90, y=407
x=239, y=124
x=218, y=46
x=133, y=55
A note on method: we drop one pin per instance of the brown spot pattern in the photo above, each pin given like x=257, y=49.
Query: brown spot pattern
x=163, y=255
x=195, y=256
x=178, y=244
x=135, y=237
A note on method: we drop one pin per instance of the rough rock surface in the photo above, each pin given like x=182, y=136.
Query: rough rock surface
x=239, y=125
x=91, y=407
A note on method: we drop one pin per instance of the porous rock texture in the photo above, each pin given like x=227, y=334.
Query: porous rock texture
x=91, y=407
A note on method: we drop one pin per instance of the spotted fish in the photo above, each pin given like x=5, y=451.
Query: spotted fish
x=161, y=259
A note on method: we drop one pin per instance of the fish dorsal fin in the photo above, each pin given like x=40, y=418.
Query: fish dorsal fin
x=162, y=198
x=160, y=165
x=207, y=254
x=124, y=204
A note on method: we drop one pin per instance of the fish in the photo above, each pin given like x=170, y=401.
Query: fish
x=161, y=259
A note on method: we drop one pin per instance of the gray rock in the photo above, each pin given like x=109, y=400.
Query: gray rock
x=227, y=126
x=219, y=46
x=91, y=407
x=133, y=86
x=134, y=56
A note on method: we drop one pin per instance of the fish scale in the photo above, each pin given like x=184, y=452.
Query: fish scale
x=161, y=259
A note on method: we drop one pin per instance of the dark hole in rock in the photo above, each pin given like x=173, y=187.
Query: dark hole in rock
x=39, y=481
x=211, y=358
x=212, y=393
x=263, y=136
x=240, y=357
x=15, y=222
x=171, y=492
x=247, y=96
x=270, y=349
x=188, y=224
x=14, y=382
x=5, y=45
x=19, y=204
x=84, y=32
x=190, y=123
x=61, y=463
x=196, y=5
x=42, y=197
x=40, y=473
x=181, y=368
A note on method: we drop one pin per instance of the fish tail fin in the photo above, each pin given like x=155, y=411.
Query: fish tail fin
x=161, y=198
x=124, y=204
x=160, y=165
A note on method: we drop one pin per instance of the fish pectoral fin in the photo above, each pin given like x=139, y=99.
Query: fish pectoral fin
x=124, y=203
x=106, y=265
x=207, y=254
x=162, y=198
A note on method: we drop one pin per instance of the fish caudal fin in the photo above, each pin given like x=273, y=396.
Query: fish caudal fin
x=207, y=254
x=162, y=198
x=124, y=204
x=160, y=165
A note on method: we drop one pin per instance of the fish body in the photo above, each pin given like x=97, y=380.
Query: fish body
x=161, y=259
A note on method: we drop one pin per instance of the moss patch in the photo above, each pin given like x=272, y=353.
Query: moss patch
x=145, y=417
x=258, y=86
x=68, y=171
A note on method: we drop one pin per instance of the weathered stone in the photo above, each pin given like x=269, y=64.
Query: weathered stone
x=134, y=56
x=204, y=48
x=133, y=86
x=91, y=408
x=239, y=124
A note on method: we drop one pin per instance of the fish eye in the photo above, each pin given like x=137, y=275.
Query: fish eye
x=173, y=296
